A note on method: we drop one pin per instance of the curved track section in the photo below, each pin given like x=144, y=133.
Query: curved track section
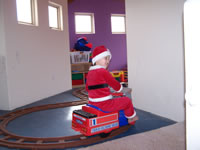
x=11, y=140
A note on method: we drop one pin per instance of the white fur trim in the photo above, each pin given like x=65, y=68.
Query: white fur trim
x=121, y=88
x=104, y=54
x=100, y=99
x=129, y=117
x=96, y=67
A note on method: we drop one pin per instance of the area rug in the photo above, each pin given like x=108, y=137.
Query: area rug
x=171, y=137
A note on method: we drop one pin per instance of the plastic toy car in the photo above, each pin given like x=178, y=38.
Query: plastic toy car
x=91, y=120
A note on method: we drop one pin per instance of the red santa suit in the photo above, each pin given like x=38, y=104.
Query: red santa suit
x=98, y=82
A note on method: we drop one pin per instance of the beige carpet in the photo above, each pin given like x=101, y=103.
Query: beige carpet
x=166, y=138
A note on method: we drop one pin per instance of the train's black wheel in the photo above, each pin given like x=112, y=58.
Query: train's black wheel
x=104, y=135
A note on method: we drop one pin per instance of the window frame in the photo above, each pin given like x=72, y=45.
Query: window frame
x=34, y=14
x=92, y=22
x=59, y=15
x=118, y=15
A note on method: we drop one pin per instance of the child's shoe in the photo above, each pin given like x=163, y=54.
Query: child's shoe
x=131, y=121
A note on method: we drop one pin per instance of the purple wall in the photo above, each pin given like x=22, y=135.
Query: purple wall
x=102, y=10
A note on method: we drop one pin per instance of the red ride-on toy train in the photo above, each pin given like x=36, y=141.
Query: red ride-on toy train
x=91, y=120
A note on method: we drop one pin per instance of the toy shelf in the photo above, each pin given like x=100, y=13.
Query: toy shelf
x=79, y=73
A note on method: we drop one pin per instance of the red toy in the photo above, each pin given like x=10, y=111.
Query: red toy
x=91, y=120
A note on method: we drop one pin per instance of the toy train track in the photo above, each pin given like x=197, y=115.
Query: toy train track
x=11, y=140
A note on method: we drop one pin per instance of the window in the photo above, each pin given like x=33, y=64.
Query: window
x=55, y=16
x=84, y=23
x=27, y=12
x=118, y=24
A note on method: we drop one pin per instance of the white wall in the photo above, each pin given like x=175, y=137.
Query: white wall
x=155, y=56
x=192, y=62
x=37, y=57
x=4, y=103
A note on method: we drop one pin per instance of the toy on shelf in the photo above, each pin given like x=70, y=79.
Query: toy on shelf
x=80, y=57
x=121, y=76
x=82, y=44
x=81, y=52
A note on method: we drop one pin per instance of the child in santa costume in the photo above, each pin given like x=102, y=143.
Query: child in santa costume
x=98, y=82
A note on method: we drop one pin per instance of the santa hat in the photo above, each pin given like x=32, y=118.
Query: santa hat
x=100, y=52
